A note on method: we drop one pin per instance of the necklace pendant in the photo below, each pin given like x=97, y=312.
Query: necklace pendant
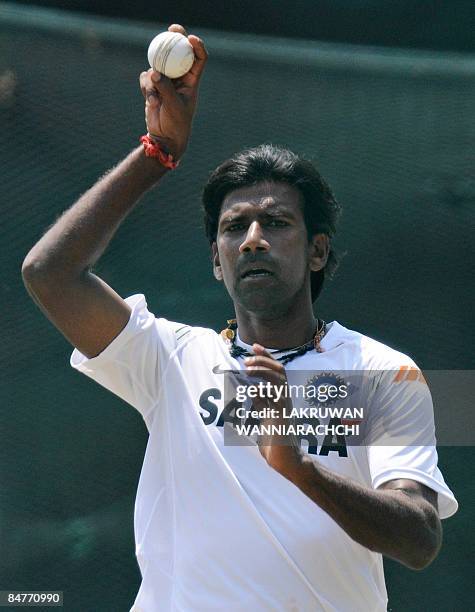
x=228, y=335
x=229, y=332
x=319, y=337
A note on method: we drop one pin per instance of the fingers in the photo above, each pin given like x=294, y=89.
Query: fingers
x=176, y=27
x=164, y=87
x=201, y=55
x=260, y=350
x=147, y=86
x=157, y=87
x=264, y=360
x=152, y=102
x=267, y=375
x=142, y=78
x=263, y=365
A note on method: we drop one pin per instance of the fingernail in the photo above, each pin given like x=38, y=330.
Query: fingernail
x=156, y=76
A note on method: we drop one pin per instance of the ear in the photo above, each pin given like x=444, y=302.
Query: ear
x=218, y=273
x=319, y=248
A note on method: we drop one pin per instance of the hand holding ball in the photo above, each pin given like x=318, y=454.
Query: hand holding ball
x=170, y=102
x=171, y=54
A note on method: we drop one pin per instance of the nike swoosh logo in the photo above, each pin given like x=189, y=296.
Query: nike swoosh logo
x=237, y=375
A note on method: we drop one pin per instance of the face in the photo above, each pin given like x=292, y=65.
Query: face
x=262, y=251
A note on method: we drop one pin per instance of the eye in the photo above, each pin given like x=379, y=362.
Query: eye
x=234, y=227
x=277, y=223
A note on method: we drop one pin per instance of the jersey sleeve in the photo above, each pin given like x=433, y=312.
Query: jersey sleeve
x=402, y=442
x=132, y=365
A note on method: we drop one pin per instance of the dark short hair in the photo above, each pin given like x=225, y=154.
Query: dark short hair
x=272, y=163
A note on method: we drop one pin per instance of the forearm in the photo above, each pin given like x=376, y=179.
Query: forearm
x=76, y=241
x=399, y=519
x=385, y=521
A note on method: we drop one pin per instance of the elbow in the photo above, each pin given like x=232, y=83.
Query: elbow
x=39, y=270
x=30, y=270
x=422, y=559
x=39, y=277
x=426, y=548
x=34, y=272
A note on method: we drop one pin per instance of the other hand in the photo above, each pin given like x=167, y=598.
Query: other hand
x=281, y=452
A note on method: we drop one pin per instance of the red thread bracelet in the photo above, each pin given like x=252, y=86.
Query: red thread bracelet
x=153, y=149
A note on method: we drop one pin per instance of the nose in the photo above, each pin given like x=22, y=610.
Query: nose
x=254, y=240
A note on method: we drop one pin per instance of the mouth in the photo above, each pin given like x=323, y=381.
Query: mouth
x=256, y=273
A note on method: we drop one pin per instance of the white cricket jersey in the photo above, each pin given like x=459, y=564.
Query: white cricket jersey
x=216, y=528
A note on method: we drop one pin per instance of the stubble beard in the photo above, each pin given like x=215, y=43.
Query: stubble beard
x=265, y=302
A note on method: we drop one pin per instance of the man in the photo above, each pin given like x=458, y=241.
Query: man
x=242, y=527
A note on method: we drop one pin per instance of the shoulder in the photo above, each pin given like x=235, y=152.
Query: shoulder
x=174, y=333
x=371, y=352
x=185, y=334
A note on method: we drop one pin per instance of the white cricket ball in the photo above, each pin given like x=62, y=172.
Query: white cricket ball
x=171, y=54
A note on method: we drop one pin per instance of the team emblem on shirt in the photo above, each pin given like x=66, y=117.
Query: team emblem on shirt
x=325, y=389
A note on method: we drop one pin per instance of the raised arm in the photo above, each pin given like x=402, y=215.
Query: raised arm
x=57, y=270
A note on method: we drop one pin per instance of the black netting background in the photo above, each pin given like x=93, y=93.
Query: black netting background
x=398, y=149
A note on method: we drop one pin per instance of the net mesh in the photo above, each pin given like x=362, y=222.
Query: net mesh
x=395, y=144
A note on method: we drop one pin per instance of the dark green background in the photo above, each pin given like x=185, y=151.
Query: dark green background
x=394, y=134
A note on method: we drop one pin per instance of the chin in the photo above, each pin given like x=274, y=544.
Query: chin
x=262, y=301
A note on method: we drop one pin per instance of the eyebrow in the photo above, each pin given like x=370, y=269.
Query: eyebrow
x=275, y=211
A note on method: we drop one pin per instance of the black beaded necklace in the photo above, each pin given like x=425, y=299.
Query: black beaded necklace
x=229, y=334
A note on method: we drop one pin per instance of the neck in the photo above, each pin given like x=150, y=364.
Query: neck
x=274, y=331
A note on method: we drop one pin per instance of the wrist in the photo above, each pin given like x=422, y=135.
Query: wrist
x=153, y=169
x=175, y=147
x=154, y=149
x=288, y=460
